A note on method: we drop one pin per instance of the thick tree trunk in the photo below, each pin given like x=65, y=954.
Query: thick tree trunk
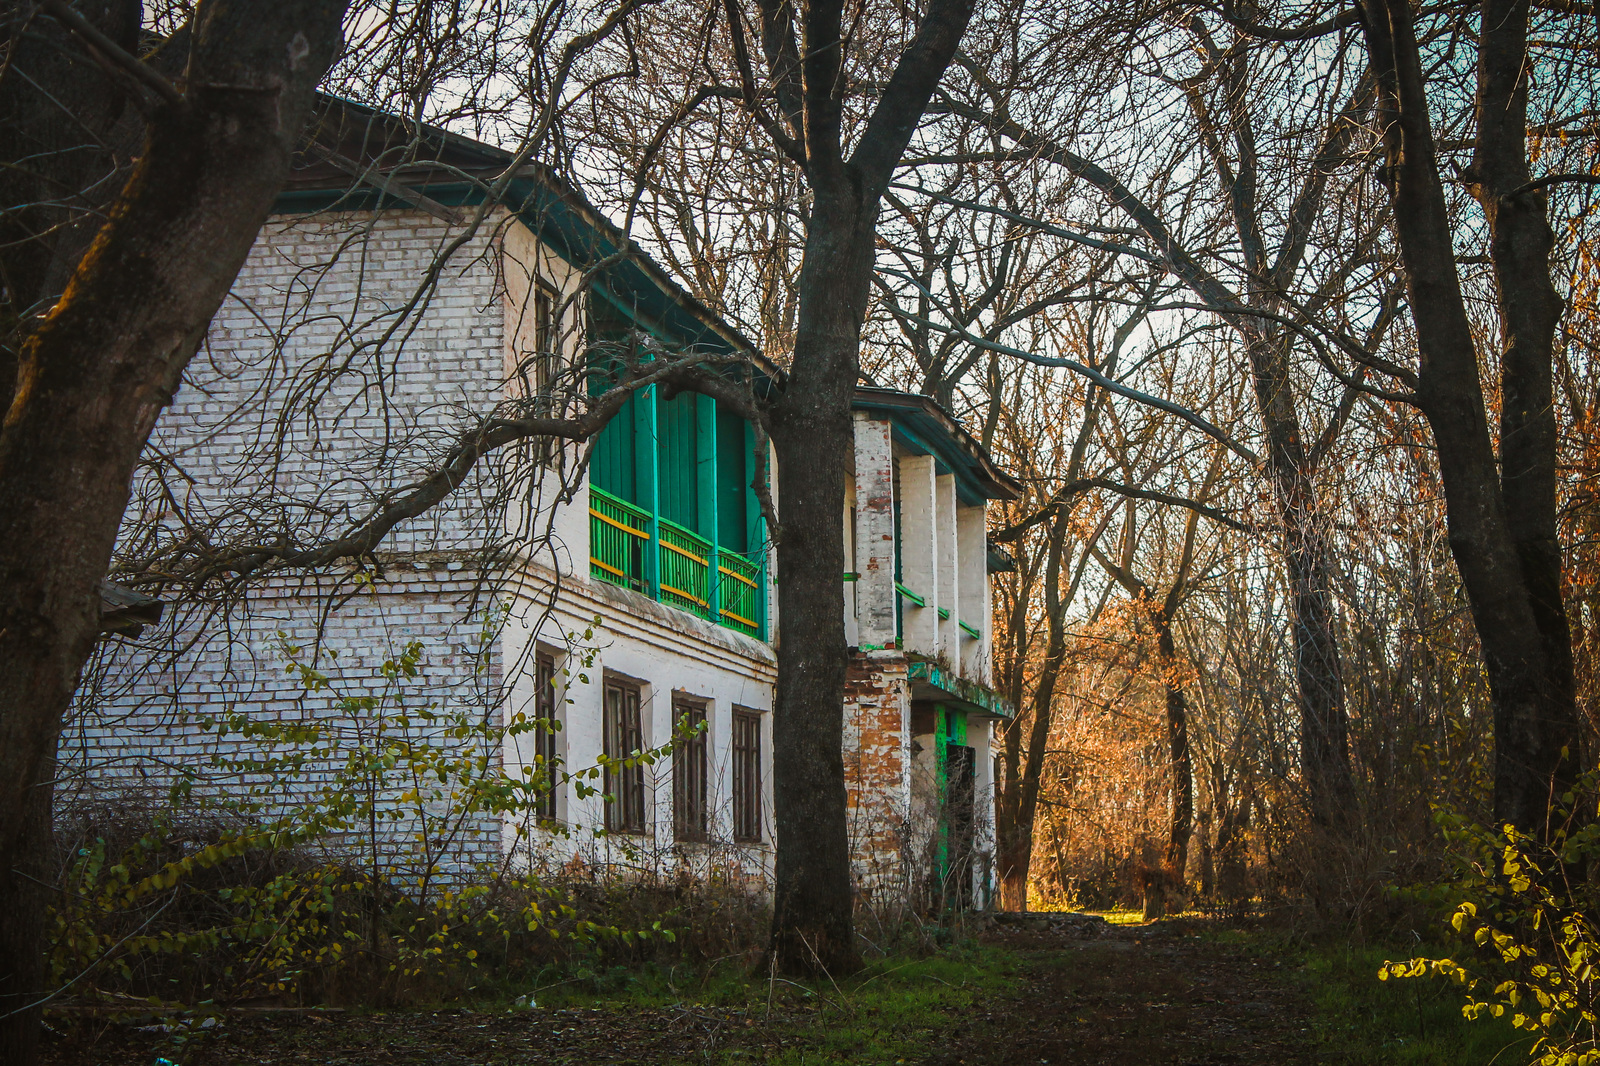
x=96, y=373
x=26, y=877
x=1501, y=524
x=1015, y=857
x=812, y=432
x=1520, y=244
x=1324, y=722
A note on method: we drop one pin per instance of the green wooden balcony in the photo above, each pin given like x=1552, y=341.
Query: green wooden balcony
x=685, y=570
x=743, y=593
x=619, y=540
x=630, y=547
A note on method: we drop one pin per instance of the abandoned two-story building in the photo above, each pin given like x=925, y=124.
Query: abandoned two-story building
x=627, y=604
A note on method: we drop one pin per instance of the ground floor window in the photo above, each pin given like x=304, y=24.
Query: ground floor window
x=624, y=785
x=689, y=771
x=746, y=776
x=544, y=734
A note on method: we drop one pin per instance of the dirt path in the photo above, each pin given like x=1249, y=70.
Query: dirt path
x=1085, y=993
x=1172, y=993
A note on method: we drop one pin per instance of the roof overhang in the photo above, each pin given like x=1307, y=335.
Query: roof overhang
x=922, y=427
x=358, y=158
x=126, y=612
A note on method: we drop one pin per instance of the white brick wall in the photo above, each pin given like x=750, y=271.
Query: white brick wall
x=140, y=730
x=296, y=348
x=313, y=297
x=315, y=386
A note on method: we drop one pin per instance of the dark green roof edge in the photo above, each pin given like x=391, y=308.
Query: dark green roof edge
x=925, y=428
x=579, y=235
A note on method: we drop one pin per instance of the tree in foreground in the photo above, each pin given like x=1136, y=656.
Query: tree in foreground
x=1501, y=509
x=804, y=114
x=94, y=374
x=138, y=186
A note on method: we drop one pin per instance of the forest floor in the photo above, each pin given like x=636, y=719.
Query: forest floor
x=1041, y=991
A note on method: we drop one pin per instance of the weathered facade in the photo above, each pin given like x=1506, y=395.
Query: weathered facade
x=609, y=595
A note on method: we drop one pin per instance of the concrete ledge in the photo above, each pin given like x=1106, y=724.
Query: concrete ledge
x=929, y=682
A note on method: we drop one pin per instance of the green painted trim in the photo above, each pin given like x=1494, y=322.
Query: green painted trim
x=959, y=692
x=647, y=479
x=941, y=784
x=851, y=576
x=705, y=476
x=908, y=594
x=971, y=631
x=940, y=467
x=944, y=614
x=756, y=543
x=649, y=326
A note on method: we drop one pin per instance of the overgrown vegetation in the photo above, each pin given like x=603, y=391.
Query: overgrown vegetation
x=163, y=911
x=1527, y=948
x=271, y=874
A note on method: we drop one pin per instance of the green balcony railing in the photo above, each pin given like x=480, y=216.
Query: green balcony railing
x=619, y=538
x=740, y=589
x=685, y=570
x=620, y=547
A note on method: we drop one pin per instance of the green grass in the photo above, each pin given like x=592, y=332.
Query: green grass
x=896, y=1010
x=1121, y=916
x=1360, y=1020
x=904, y=1009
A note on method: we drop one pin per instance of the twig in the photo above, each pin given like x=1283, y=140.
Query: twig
x=1549, y=180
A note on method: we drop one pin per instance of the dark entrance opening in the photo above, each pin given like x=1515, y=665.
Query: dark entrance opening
x=961, y=819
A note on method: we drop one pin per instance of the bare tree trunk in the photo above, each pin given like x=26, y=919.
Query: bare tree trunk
x=812, y=433
x=25, y=888
x=1501, y=514
x=96, y=373
x=812, y=926
x=1180, y=763
x=1016, y=822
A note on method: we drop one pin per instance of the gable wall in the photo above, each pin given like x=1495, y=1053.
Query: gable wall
x=311, y=291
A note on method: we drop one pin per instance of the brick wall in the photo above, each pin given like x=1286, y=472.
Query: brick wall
x=878, y=770
x=315, y=385
x=139, y=728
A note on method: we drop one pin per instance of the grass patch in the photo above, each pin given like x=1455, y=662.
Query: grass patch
x=1360, y=1020
x=899, y=1009
x=1121, y=916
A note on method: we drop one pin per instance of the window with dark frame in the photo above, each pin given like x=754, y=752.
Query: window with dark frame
x=533, y=373
x=746, y=776
x=624, y=735
x=546, y=340
x=689, y=814
x=544, y=733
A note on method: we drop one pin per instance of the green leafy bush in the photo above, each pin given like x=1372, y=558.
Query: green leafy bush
x=261, y=891
x=1527, y=921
